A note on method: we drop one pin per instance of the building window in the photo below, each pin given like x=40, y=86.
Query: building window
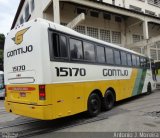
x=153, y=54
x=142, y=0
x=113, y=2
x=136, y=38
x=116, y=37
x=32, y=5
x=150, y=12
x=94, y=14
x=80, y=29
x=135, y=8
x=106, y=16
x=21, y=20
x=154, y=2
x=93, y=32
x=105, y=35
x=27, y=12
x=79, y=11
x=118, y=19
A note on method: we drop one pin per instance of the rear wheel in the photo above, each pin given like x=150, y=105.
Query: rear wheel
x=149, y=89
x=94, y=105
x=109, y=100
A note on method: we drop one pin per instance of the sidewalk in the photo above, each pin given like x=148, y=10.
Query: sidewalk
x=4, y=116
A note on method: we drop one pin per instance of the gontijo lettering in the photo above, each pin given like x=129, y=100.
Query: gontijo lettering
x=19, y=51
x=115, y=72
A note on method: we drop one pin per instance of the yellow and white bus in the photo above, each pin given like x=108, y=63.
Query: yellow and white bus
x=52, y=71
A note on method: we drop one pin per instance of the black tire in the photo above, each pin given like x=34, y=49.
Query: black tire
x=149, y=89
x=94, y=105
x=108, y=100
x=2, y=98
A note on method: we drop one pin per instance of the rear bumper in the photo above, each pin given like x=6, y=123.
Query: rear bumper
x=33, y=111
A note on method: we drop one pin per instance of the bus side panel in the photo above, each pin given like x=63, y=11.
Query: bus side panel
x=124, y=88
x=67, y=99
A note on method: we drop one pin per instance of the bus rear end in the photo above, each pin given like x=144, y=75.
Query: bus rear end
x=23, y=69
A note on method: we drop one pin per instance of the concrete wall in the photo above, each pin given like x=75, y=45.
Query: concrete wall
x=130, y=25
x=143, y=4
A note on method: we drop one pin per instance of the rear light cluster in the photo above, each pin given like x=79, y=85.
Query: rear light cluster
x=42, y=92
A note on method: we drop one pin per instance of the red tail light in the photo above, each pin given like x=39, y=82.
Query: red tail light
x=42, y=92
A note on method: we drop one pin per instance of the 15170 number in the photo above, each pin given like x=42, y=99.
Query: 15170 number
x=19, y=68
x=64, y=71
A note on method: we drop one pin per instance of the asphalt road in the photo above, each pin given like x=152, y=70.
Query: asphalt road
x=4, y=116
x=138, y=114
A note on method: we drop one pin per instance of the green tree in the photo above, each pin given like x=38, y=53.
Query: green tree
x=2, y=38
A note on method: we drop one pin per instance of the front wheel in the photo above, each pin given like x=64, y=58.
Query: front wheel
x=94, y=105
x=149, y=89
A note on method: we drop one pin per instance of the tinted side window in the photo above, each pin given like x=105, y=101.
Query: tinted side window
x=59, y=46
x=117, y=57
x=89, y=51
x=138, y=62
x=143, y=62
x=76, y=49
x=27, y=12
x=100, y=54
x=63, y=46
x=147, y=63
x=124, y=58
x=55, y=45
x=129, y=60
x=134, y=60
x=109, y=55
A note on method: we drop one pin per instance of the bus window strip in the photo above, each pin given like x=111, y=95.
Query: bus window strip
x=82, y=61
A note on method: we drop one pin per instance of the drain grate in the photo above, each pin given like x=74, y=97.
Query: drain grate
x=154, y=114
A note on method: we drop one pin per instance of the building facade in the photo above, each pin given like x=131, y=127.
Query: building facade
x=134, y=24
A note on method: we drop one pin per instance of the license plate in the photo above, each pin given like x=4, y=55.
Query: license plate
x=22, y=94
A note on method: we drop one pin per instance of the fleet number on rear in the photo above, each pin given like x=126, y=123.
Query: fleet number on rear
x=19, y=68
